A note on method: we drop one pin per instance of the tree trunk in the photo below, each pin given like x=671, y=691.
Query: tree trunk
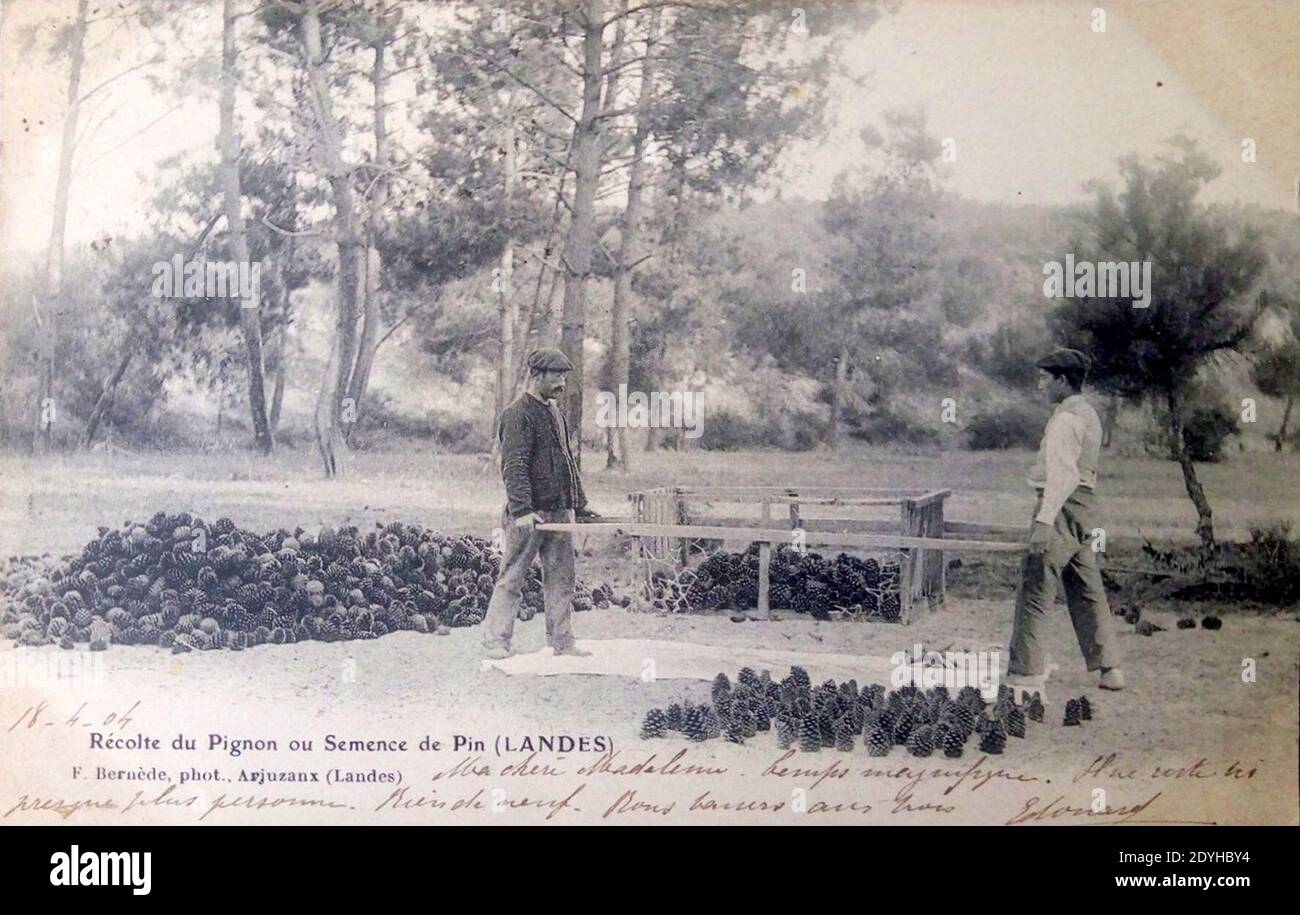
x=1110, y=420
x=52, y=287
x=837, y=396
x=633, y=214
x=106, y=394
x=372, y=316
x=580, y=245
x=539, y=315
x=1286, y=418
x=279, y=374
x=507, y=312
x=330, y=413
x=63, y=185
x=250, y=308
x=1205, y=518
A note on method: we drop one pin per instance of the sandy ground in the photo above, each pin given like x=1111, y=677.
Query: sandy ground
x=1187, y=732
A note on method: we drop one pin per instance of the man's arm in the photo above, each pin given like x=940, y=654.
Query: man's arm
x=580, y=497
x=1064, y=438
x=516, y=450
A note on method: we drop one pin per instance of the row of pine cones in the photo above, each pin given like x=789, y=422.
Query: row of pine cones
x=840, y=715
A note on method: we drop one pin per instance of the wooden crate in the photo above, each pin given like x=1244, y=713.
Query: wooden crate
x=920, y=533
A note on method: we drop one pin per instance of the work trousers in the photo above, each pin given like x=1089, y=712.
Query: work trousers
x=520, y=546
x=1071, y=561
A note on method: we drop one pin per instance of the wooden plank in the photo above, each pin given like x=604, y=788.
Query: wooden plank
x=908, y=591
x=757, y=492
x=760, y=535
x=764, y=580
x=842, y=525
x=848, y=501
x=932, y=497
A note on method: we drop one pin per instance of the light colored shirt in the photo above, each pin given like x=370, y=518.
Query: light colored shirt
x=1068, y=455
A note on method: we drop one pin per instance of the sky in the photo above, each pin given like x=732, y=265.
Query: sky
x=1034, y=97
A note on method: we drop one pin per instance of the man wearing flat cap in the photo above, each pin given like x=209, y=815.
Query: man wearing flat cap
x=1060, y=540
x=542, y=485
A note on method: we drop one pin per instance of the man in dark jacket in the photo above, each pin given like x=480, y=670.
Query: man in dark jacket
x=542, y=485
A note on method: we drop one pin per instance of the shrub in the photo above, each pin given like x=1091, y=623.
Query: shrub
x=888, y=427
x=1265, y=568
x=1206, y=430
x=725, y=430
x=1012, y=426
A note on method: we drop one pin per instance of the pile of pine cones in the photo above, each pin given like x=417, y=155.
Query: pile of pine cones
x=800, y=581
x=181, y=583
x=840, y=715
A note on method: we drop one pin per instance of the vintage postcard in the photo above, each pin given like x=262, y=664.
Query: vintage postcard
x=611, y=412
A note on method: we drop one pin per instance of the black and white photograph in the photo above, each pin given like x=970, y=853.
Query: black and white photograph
x=651, y=412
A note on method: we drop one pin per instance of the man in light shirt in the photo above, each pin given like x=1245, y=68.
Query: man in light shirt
x=1061, y=537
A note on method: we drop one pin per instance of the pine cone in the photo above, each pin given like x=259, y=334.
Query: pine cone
x=1072, y=713
x=879, y=741
x=810, y=735
x=953, y=742
x=920, y=741
x=1015, y=723
x=994, y=739
x=654, y=725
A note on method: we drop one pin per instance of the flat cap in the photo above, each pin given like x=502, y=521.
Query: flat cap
x=1066, y=360
x=549, y=359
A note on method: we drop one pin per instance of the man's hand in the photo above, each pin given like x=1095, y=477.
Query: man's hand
x=1040, y=538
x=529, y=520
x=585, y=515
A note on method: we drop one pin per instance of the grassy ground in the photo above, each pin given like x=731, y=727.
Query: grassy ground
x=56, y=503
x=1187, y=701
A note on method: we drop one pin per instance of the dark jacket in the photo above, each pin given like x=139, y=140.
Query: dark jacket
x=536, y=463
